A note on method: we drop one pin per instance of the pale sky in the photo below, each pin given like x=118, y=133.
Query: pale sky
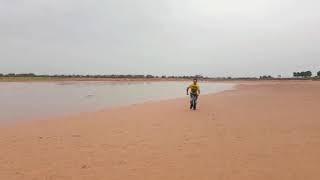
x=173, y=37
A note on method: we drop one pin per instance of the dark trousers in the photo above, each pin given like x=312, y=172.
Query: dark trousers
x=193, y=100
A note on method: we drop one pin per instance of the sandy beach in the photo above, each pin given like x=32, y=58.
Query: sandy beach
x=259, y=131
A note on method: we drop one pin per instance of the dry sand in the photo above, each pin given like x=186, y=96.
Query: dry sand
x=262, y=131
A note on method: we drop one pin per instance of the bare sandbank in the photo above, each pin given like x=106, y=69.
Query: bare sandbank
x=259, y=131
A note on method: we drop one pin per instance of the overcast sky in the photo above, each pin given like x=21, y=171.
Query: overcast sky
x=208, y=37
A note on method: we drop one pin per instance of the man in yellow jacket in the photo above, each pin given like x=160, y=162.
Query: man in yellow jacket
x=194, y=93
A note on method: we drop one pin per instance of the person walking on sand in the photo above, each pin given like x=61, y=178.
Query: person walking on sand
x=194, y=93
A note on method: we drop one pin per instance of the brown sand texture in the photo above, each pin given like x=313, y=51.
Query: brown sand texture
x=259, y=131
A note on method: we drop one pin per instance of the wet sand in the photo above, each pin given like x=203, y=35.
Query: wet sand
x=262, y=131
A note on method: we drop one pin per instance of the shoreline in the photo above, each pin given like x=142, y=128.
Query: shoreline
x=105, y=109
x=81, y=103
x=258, y=131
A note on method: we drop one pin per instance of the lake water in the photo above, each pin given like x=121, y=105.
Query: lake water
x=30, y=100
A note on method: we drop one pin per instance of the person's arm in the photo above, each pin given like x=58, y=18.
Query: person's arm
x=198, y=90
x=188, y=90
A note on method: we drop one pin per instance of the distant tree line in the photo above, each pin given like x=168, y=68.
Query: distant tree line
x=304, y=74
x=266, y=77
x=148, y=76
x=76, y=76
x=18, y=75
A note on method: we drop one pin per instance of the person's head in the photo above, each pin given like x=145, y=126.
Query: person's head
x=195, y=81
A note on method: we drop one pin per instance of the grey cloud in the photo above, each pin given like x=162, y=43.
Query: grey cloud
x=218, y=38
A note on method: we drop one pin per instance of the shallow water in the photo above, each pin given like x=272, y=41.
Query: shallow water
x=22, y=101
